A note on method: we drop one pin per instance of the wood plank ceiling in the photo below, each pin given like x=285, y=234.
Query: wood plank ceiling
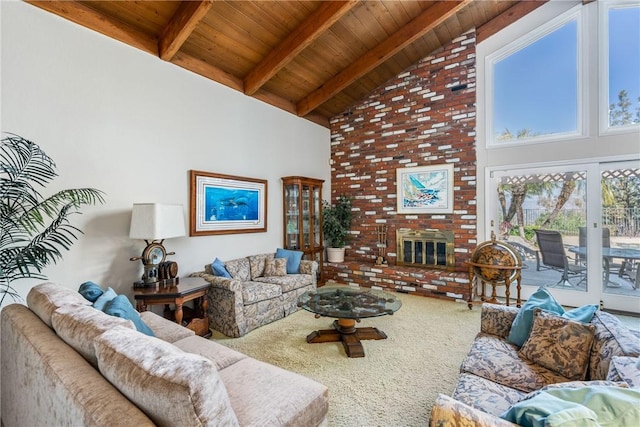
x=310, y=58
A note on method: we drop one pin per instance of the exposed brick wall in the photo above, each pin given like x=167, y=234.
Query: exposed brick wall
x=424, y=116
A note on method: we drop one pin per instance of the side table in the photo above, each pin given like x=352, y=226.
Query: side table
x=185, y=289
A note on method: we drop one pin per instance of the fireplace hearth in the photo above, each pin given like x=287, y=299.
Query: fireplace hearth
x=426, y=248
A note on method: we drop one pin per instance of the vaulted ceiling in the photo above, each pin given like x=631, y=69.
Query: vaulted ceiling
x=310, y=58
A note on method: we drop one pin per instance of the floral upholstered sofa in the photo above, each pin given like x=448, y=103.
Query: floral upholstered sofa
x=498, y=376
x=258, y=291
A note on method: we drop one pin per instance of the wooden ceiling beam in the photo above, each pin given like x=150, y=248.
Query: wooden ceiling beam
x=423, y=23
x=309, y=30
x=507, y=18
x=80, y=14
x=207, y=70
x=211, y=72
x=181, y=25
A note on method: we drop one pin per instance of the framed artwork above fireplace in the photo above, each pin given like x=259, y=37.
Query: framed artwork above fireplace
x=425, y=189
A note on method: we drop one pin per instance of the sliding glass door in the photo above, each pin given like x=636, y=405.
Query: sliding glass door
x=620, y=219
x=576, y=229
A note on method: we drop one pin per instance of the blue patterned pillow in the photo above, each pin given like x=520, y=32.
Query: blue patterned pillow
x=121, y=307
x=90, y=291
x=293, y=259
x=521, y=325
x=542, y=298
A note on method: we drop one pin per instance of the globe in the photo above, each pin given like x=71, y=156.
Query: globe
x=494, y=253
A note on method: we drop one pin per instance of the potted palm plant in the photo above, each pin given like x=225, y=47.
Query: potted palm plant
x=34, y=230
x=336, y=222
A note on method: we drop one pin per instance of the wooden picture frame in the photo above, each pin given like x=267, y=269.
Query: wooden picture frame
x=425, y=189
x=226, y=204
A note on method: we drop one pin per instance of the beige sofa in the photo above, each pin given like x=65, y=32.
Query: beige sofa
x=250, y=299
x=66, y=363
x=494, y=375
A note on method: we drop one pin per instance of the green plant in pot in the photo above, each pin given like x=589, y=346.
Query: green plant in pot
x=336, y=222
x=34, y=230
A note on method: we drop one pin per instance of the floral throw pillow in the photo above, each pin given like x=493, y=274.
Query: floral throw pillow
x=275, y=267
x=559, y=344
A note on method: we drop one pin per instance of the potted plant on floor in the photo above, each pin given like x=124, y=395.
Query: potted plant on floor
x=34, y=230
x=336, y=222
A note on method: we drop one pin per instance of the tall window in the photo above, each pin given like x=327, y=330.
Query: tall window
x=535, y=85
x=622, y=23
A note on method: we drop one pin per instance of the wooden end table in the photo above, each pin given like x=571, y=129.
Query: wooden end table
x=185, y=289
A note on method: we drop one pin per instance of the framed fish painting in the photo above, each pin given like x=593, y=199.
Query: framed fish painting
x=226, y=204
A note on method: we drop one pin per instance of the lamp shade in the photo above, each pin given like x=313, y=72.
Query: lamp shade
x=154, y=221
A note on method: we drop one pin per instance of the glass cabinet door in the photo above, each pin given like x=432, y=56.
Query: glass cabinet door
x=306, y=218
x=302, y=206
x=317, y=237
x=292, y=214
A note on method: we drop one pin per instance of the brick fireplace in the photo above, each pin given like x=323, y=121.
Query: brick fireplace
x=424, y=116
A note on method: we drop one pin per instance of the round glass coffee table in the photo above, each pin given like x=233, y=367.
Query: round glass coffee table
x=348, y=305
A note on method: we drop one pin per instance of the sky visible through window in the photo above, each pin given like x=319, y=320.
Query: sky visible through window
x=535, y=88
x=624, y=54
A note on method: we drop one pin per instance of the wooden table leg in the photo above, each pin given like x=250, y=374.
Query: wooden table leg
x=205, y=306
x=178, y=314
x=345, y=331
x=507, y=291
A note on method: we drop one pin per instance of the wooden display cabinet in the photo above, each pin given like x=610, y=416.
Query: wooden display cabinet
x=302, y=207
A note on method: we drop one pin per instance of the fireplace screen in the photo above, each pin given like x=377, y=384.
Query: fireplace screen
x=425, y=248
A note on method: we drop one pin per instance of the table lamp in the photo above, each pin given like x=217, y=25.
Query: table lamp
x=154, y=222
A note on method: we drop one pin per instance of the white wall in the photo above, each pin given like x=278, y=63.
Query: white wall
x=127, y=123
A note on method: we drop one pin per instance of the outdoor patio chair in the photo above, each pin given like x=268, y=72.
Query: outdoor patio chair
x=555, y=258
x=608, y=265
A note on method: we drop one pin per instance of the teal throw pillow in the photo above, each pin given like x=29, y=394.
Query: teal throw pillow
x=219, y=269
x=580, y=406
x=542, y=298
x=547, y=410
x=582, y=314
x=293, y=259
x=103, y=299
x=90, y=291
x=521, y=326
x=121, y=307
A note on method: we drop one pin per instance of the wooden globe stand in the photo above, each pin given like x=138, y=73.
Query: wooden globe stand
x=506, y=275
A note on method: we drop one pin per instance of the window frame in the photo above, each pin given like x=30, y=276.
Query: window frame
x=604, y=6
x=526, y=40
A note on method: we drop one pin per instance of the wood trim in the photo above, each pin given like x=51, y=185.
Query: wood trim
x=85, y=16
x=306, y=33
x=420, y=25
x=507, y=18
x=207, y=70
x=211, y=72
x=181, y=25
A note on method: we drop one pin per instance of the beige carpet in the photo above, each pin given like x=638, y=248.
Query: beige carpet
x=397, y=381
